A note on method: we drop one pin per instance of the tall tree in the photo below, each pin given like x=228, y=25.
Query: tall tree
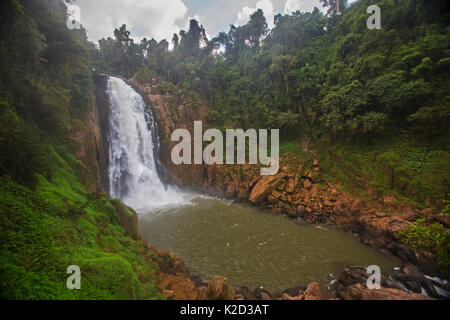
x=175, y=41
x=334, y=6
x=123, y=40
x=257, y=28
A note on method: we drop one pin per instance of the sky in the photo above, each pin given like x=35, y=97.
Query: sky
x=160, y=19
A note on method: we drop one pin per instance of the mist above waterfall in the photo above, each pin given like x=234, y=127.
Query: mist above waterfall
x=132, y=170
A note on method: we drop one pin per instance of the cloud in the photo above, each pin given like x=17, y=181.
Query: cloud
x=144, y=18
x=244, y=15
x=301, y=5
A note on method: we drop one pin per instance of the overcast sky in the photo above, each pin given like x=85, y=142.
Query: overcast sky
x=161, y=18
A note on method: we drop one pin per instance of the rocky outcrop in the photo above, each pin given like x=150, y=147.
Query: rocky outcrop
x=313, y=292
x=86, y=144
x=220, y=289
x=360, y=292
x=265, y=186
x=176, y=282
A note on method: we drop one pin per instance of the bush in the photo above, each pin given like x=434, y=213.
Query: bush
x=433, y=238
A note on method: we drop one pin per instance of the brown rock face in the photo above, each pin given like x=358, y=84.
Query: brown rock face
x=361, y=292
x=265, y=186
x=179, y=287
x=313, y=292
x=220, y=289
x=87, y=146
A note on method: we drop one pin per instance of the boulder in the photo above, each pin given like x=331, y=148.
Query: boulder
x=245, y=292
x=178, y=287
x=265, y=186
x=262, y=294
x=220, y=289
x=313, y=292
x=361, y=292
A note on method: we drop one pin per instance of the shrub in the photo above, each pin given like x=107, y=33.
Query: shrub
x=431, y=238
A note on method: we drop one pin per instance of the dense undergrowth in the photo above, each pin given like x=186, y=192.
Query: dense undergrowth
x=57, y=224
x=48, y=218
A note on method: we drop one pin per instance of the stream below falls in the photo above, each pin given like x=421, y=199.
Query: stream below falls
x=254, y=248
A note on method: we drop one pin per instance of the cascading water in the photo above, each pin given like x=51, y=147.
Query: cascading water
x=132, y=169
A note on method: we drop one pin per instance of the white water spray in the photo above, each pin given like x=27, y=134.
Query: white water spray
x=132, y=170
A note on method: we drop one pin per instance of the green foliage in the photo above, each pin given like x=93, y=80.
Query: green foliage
x=348, y=80
x=21, y=151
x=48, y=220
x=60, y=224
x=433, y=238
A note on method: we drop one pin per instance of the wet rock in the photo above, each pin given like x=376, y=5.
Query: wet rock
x=410, y=282
x=361, y=292
x=262, y=294
x=295, y=291
x=354, y=275
x=220, y=289
x=427, y=263
x=286, y=296
x=337, y=290
x=404, y=253
x=245, y=292
x=313, y=292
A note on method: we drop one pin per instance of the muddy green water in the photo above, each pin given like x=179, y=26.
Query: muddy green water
x=253, y=248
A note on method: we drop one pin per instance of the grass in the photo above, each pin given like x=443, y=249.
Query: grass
x=391, y=166
x=58, y=224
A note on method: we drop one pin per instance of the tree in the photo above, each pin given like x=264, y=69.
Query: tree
x=175, y=41
x=257, y=28
x=282, y=65
x=193, y=40
x=123, y=40
x=334, y=6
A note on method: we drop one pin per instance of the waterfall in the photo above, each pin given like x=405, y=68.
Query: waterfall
x=132, y=152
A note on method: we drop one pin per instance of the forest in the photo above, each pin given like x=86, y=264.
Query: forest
x=311, y=71
x=375, y=104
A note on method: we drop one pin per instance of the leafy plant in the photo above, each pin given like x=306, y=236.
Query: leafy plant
x=432, y=238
